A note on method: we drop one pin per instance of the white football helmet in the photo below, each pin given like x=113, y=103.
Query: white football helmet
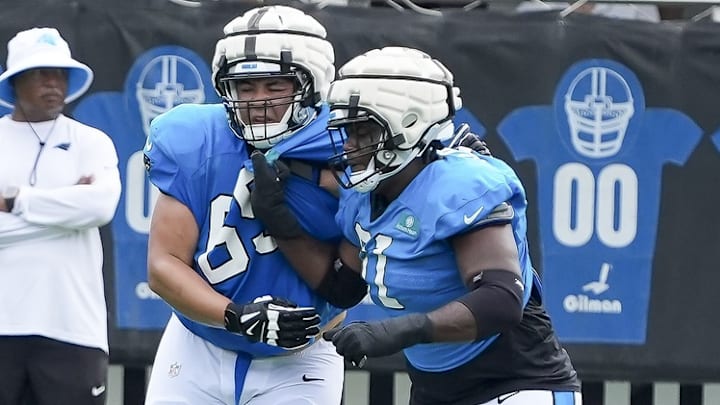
x=599, y=105
x=274, y=41
x=403, y=91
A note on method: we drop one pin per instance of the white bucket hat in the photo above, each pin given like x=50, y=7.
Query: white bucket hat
x=42, y=48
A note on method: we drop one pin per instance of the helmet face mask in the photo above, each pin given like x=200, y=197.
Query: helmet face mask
x=365, y=140
x=265, y=108
x=273, y=42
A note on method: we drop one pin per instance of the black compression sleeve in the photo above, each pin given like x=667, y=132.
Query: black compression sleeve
x=495, y=301
x=343, y=288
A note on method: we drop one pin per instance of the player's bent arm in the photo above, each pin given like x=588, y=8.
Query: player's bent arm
x=336, y=280
x=488, y=263
x=343, y=286
x=312, y=259
x=172, y=243
x=267, y=319
x=487, y=259
x=350, y=255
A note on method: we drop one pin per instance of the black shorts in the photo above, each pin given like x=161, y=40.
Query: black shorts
x=42, y=371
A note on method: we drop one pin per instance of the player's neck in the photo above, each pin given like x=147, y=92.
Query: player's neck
x=391, y=188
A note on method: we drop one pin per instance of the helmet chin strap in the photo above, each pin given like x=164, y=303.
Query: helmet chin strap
x=369, y=182
x=442, y=132
x=265, y=136
x=365, y=183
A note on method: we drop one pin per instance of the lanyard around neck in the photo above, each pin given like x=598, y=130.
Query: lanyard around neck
x=33, y=174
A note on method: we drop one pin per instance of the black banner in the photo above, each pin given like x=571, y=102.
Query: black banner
x=611, y=125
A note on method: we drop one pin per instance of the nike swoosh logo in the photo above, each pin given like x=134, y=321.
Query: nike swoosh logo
x=502, y=398
x=306, y=378
x=250, y=330
x=246, y=317
x=470, y=219
x=96, y=391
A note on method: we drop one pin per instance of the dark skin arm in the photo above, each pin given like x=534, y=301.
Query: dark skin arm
x=350, y=255
x=487, y=248
x=311, y=258
x=173, y=239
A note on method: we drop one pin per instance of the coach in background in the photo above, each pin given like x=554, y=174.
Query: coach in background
x=59, y=182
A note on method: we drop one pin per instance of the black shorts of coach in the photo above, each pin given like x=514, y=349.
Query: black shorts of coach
x=35, y=370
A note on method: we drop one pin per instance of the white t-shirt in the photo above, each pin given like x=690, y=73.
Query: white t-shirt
x=51, y=281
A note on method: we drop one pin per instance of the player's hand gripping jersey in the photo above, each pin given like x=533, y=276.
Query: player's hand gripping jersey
x=408, y=260
x=193, y=156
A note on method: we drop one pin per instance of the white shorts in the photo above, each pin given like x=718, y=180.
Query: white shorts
x=190, y=370
x=537, y=397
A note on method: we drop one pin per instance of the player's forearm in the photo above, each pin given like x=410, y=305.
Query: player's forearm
x=74, y=207
x=332, y=279
x=494, y=306
x=453, y=323
x=182, y=288
x=310, y=258
x=450, y=323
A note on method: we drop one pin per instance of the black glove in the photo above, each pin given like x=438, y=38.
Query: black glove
x=274, y=321
x=359, y=340
x=268, y=198
x=463, y=137
x=472, y=141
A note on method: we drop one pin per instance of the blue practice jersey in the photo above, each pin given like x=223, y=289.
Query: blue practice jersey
x=196, y=158
x=408, y=260
x=599, y=154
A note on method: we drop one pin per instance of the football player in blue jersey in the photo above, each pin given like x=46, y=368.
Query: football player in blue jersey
x=439, y=236
x=244, y=322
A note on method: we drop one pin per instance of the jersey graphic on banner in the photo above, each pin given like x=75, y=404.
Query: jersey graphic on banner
x=599, y=154
x=158, y=80
x=166, y=81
